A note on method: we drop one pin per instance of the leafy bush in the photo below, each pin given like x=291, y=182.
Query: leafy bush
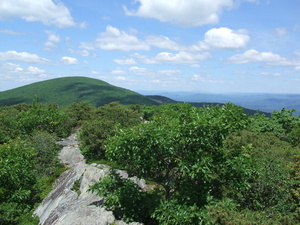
x=227, y=212
x=8, y=125
x=94, y=133
x=126, y=198
x=182, y=150
x=44, y=117
x=44, y=144
x=294, y=180
x=79, y=112
x=269, y=191
x=173, y=213
x=17, y=180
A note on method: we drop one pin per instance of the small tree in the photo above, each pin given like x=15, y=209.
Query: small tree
x=181, y=149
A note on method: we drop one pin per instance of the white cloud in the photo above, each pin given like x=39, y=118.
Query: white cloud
x=205, y=79
x=95, y=72
x=181, y=12
x=169, y=72
x=180, y=57
x=168, y=57
x=115, y=39
x=35, y=70
x=297, y=52
x=52, y=39
x=12, y=32
x=12, y=71
x=163, y=42
x=280, y=31
x=46, y=11
x=118, y=71
x=139, y=70
x=226, y=38
x=265, y=74
x=120, y=78
x=255, y=56
x=68, y=60
x=22, y=57
x=125, y=61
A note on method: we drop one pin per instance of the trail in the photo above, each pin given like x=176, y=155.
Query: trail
x=68, y=204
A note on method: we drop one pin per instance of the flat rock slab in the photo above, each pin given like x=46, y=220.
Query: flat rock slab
x=69, y=204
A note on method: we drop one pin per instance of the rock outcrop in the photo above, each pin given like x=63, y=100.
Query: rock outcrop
x=69, y=203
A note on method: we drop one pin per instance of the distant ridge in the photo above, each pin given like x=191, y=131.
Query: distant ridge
x=165, y=100
x=66, y=90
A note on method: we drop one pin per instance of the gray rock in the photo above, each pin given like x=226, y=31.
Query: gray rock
x=67, y=204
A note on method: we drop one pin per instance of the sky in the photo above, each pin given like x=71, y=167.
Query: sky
x=215, y=46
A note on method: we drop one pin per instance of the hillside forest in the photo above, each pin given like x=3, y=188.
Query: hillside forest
x=202, y=165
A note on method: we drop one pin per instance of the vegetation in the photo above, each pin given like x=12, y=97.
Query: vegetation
x=208, y=165
x=67, y=90
x=28, y=157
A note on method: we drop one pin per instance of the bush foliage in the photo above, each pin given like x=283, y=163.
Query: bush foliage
x=208, y=165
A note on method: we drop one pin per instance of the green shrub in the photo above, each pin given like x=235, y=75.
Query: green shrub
x=269, y=191
x=173, y=213
x=79, y=112
x=94, y=133
x=49, y=118
x=44, y=144
x=125, y=198
x=181, y=149
x=17, y=180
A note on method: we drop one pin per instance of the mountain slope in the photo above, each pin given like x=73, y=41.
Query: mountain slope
x=67, y=90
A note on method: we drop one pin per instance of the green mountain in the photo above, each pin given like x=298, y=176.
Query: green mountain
x=64, y=91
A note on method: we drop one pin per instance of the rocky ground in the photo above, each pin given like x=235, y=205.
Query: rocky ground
x=69, y=203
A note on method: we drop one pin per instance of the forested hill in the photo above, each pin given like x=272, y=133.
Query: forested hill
x=64, y=91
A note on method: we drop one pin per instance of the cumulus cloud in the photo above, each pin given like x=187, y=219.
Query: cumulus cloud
x=221, y=38
x=12, y=71
x=125, y=61
x=118, y=71
x=256, y=56
x=53, y=39
x=180, y=57
x=181, y=12
x=138, y=70
x=115, y=39
x=120, y=78
x=35, y=70
x=225, y=38
x=46, y=11
x=68, y=60
x=168, y=57
x=164, y=43
x=22, y=57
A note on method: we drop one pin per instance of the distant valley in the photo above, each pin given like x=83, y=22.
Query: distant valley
x=255, y=101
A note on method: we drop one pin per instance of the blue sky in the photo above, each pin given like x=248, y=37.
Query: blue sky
x=177, y=45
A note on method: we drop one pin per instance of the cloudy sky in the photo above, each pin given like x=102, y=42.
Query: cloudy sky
x=187, y=45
